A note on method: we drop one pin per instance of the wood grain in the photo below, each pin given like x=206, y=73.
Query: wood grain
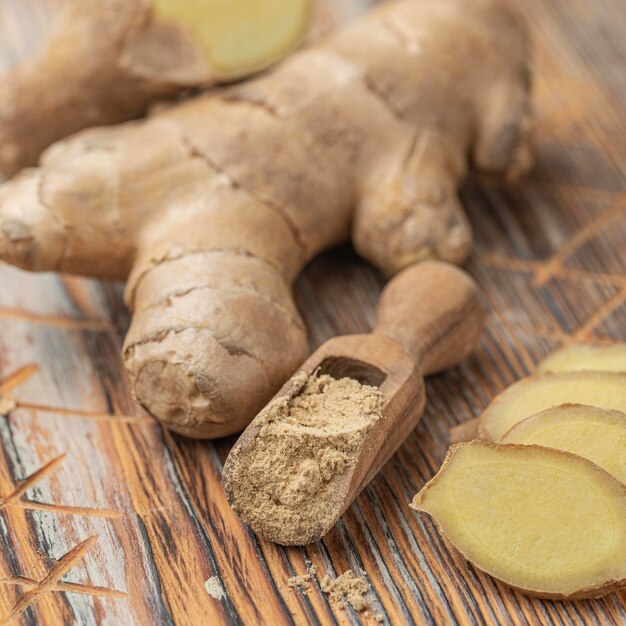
x=550, y=256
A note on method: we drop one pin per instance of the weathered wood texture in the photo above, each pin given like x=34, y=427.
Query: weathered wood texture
x=107, y=519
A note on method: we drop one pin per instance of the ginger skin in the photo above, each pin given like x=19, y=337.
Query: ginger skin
x=215, y=205
x=106, y=61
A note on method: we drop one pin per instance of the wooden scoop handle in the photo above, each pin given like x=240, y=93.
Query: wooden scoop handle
x=434, y=311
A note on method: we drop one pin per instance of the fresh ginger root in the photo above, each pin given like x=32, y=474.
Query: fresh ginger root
x=211, y=208
x=579, y=357
x=107, y=60
x=589, y=357
x=596, y=434
x=606, y=390
x=544, y=521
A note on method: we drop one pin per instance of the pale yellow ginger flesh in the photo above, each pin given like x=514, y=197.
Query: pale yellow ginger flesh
x=589, y=357
x=572, y=358
x=544, y=521
x=596, y=434
x=528, y=396
x=242, y=36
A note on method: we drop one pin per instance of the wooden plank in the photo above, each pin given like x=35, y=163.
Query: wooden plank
x=550, y=255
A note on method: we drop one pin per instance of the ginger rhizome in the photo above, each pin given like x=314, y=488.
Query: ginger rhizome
x=107, y=60
x=211, y=208
x=544, y=521
x=596, y=434
x=606, y=390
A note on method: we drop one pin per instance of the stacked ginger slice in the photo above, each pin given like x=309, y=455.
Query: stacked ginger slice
x=538, y=500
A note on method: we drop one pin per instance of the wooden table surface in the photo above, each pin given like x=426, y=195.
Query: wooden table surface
x=105, y=518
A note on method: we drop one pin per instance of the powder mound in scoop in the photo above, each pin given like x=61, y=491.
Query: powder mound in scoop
x=287, y=491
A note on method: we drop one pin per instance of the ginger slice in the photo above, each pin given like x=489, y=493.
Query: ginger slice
x=465, y=431
x=531, y=395
x=572, y=358
x=243, y=36
x=588, y=357
x=544, y=521
x=596, y=434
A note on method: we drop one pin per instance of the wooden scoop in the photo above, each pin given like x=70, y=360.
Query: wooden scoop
x=428, y=318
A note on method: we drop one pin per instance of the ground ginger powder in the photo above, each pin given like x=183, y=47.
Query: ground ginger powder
x=347, y=588
x=303, y=581
x=304, y=444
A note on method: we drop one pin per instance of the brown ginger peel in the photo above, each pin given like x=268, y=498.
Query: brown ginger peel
x=215, y=205
x=544, y=521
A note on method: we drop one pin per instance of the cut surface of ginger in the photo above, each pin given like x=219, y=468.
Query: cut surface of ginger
x=596, y=434
x=587, y=357
x=531, y=395
x=541, y=520
x=240, y=36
